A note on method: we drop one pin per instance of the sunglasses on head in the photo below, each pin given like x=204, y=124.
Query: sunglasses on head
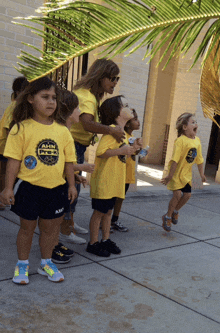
x=114, y=78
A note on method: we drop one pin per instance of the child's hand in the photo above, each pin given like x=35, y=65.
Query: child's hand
x=88, y=167
x=118, y=133
x=137, y=145
x=81, y=180
x=165, y=180
x=203, y=177
x=127, y=150
x=72, y=194
x=7, y=197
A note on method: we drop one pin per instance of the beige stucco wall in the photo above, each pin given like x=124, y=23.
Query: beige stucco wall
x=11, y=37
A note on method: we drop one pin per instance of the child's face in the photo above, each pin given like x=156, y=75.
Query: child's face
x=134, y=123
x=74, y=117
x=44, y=103
x=125, y=112
x=190, y=129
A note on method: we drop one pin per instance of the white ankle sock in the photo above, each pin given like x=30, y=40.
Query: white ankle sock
x=23, y=261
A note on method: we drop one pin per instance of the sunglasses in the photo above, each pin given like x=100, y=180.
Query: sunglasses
x=114, y=78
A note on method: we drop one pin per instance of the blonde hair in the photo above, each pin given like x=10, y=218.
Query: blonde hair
x=182, y=120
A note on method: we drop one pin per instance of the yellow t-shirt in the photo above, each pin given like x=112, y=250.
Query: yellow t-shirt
x=186, y=153
x=87, y=104
x=4, y=125
x=130, y=166
x=108, y=178
x=42, y=150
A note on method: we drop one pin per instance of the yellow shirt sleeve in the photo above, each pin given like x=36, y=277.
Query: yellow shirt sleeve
x=177, y=150
x=14, y=143
x=87, y=101
x=108, y=142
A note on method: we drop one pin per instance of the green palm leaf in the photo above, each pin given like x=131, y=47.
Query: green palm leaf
x=71, y=29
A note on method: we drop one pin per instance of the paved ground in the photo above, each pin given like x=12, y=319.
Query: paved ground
x=161, y=282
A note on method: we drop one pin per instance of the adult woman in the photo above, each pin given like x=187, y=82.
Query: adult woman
x=101, y=78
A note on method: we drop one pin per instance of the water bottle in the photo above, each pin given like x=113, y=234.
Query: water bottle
x=144, y=152
x=131, y=140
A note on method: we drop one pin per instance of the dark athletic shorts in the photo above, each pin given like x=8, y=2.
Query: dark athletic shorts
x=103, y=205
x=186, y=189
x=33, y=201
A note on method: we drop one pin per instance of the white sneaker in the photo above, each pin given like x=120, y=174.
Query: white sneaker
x=72, y=238
x=79, y=230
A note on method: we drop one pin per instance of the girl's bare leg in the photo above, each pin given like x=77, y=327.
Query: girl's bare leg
x=173, y=202
x=65, y=227
x=24, y=238
x=94, y=226
x=49, y=235
x=106, y=224
x=117, y=207
x=183, y=200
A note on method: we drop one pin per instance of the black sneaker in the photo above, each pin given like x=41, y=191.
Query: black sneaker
x=118, y=226
x=110, y=246
x=59, y=258
x=97, y=249
x=63, y=249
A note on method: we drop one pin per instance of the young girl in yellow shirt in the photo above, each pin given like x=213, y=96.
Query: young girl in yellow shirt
x=39, y=152
x=187, y=151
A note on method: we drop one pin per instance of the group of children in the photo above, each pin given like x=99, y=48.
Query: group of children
x=41, y=172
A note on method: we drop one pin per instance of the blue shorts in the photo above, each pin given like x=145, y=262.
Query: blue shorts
x=103, y=205
x=33, y=201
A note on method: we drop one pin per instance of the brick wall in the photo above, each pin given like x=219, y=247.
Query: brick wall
x=11, y=37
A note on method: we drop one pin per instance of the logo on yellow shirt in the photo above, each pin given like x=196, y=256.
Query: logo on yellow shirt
x=30, y=162
x=191, y=155
x=48, y=152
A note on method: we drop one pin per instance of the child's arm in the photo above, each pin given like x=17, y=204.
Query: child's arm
x=84, y=167
x=124, y=150
x=12, y=169
x=168, y=178
x=90, y=125
x=200, y=168
x=72, y=192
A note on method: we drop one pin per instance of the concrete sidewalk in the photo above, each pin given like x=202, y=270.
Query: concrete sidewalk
x=161, y=282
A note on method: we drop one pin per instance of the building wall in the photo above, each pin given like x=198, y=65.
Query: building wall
x=11, y=37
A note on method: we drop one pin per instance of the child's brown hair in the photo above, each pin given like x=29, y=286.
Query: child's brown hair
x=182, y=120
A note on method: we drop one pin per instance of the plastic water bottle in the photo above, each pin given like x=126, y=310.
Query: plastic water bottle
x=131, y=140
x=144, y=152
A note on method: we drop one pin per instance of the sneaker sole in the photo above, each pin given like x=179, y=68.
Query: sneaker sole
x=105, y=256
x=120, y=230
x=41, y=272
x=21, y=282
x=60, y=262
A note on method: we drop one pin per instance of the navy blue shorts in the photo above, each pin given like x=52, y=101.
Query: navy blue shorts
x=33, y=201
x=186, y=189
x=103, y=205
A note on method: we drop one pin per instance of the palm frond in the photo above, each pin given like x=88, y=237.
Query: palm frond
x=209, y=82
x=71, y=29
